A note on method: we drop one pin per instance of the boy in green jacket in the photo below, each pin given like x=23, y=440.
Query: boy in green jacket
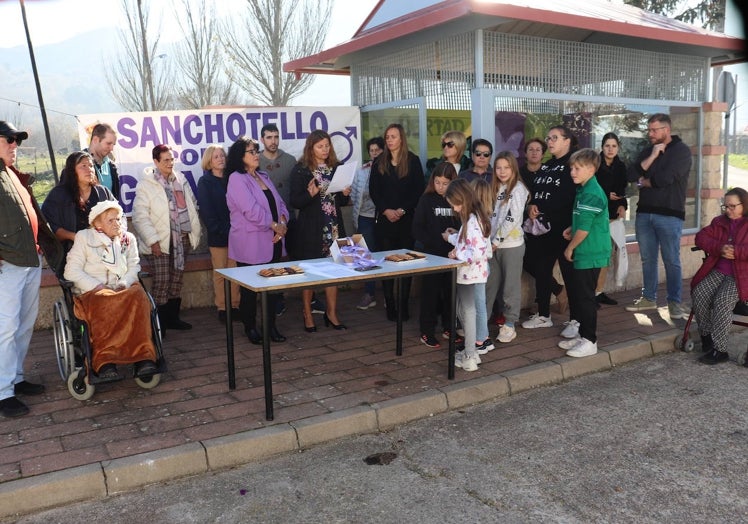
x=589, y=249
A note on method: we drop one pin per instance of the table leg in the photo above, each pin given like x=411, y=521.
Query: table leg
x=229, y=335
x=399, y=330
x=266, y=356
x=452, y=328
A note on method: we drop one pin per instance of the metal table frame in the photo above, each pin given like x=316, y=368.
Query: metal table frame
x=248, y=278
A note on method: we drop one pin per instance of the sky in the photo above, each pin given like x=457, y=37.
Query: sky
x=53, y=21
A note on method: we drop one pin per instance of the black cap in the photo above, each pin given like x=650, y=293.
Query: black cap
x=8, y=129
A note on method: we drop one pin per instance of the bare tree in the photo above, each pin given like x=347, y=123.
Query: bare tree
x=131, y=77
x=271, y=32
x=710, y=14
x=204, y=80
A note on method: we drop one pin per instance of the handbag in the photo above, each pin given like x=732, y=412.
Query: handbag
x=536, y=226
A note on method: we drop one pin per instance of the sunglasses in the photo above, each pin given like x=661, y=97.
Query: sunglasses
x=13, y=139
x=484, y=154
x=448, y=144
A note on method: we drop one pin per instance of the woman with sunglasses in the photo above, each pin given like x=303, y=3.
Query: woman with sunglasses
x=722, y=279
x=395, y=185
x=453, y=144
x=551, y=195
x=259, y=219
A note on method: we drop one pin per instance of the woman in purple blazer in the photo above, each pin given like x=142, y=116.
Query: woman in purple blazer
x=259, y=221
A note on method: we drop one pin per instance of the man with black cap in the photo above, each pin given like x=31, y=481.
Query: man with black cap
x=22, y=230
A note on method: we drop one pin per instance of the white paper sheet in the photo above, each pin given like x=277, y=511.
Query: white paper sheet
x=328, y=269
x=343, y=177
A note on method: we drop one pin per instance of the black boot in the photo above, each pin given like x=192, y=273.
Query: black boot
x=707, y=344
x=714, y=357
x=163, y=317
x=176, y=322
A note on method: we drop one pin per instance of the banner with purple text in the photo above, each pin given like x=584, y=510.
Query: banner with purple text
x=188, y=133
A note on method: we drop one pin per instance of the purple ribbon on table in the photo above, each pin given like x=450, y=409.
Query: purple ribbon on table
x=361, y=257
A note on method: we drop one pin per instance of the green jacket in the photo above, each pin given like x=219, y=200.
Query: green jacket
x=17, y=244
x=591, y=214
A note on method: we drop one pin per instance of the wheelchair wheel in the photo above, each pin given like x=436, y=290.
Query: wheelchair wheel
x=148, y=382
x=686, y=346
x=79, y=387
x=63, y=340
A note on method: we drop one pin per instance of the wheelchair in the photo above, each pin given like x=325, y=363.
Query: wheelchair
x=74, y=351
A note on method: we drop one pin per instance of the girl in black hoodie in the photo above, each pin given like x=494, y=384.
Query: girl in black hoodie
x=433, y=215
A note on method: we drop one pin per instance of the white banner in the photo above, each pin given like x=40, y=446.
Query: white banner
x=188, y=133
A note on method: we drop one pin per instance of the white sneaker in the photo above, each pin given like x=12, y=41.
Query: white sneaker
x=570, y=343
x=584, y=348
x=571, y=330
x=484, y=347
x=506, y=334
x=537, y=321
x=465, y=362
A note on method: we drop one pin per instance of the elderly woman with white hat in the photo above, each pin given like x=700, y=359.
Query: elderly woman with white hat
x=103, y=265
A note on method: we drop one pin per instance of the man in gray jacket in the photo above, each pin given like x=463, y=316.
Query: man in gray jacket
x=22, y=232
x=661, y=172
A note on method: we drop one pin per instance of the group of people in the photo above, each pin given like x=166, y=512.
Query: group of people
x=256, y=203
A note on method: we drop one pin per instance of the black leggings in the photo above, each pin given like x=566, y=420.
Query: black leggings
x=541, y=254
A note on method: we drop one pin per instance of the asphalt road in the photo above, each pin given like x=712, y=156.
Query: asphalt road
x=660, y=440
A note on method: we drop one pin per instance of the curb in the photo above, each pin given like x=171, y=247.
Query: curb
x=103, y=479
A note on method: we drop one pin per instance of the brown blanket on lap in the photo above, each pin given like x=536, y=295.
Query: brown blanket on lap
x=119, y=324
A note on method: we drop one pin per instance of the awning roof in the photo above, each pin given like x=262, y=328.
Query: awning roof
x=591, y=21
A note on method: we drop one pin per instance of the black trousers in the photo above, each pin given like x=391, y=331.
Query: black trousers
x=581, y=291
x=541, y=254
x=436, y=301
x=396, y=235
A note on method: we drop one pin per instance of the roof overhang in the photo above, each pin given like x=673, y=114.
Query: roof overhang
x=588, y=21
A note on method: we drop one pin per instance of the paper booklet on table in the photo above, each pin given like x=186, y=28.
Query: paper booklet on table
x=343, y=177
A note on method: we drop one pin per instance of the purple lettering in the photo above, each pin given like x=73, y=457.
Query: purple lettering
x=269, y=118
x=300, y=127
x=213, y=132
x=235, y=126
x=170, y=132
x=318, y=121
x=191, y=126
x=284, y=126
x=149, y=133
x=128, y=138
x=253, y=118
x=190, y=157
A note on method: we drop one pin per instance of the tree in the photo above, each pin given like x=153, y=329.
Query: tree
x=280, y=30
x=204, y=80
x=707, y=13
x=132, y=79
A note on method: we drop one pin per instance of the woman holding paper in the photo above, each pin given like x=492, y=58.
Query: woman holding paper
x=320, y=221
x=259, y=221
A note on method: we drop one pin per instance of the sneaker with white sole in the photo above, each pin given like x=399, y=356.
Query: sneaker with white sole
x=642, y=304
x=570, y=343
x=584, y=348
x=676, y=311
x=506, y=334
x=537, y=321
x=571, y=330
x=366, y=302
x=484, y=347
x=465, y=362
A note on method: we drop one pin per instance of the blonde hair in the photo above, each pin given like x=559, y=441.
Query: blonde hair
x=512, y=182
x=458, y=137
x=484, y=195
x=207, y=162
x=460, y=193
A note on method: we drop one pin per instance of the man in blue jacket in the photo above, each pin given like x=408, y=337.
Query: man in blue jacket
x=661, y=172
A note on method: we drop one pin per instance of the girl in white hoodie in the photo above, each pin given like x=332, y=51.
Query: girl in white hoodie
x=508, y=241
x=472, y=245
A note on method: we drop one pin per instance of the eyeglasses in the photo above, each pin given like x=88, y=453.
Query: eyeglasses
x=448, y=144
x=655, y=129
x=730, y=206
x=13, y=139
x=167, y=160
x=484, y=154
x=252, y=152
x=553, y=138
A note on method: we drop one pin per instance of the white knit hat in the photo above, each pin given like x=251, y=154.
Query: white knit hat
x=102, y=206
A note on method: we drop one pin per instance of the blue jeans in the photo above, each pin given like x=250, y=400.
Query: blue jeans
x=19, y=296
x=481, y=317
x=366, y=228
x=655, y=234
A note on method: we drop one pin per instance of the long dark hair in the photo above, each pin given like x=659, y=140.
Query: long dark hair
x=401, y=162
x=235, y=157
x=69, y=177
x=307, y=157
x=443, y=170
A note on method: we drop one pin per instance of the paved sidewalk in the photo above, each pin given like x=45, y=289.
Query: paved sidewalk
x=326, y=384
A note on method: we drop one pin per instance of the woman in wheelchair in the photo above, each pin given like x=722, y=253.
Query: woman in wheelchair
x=103, y=265
x=722, y=279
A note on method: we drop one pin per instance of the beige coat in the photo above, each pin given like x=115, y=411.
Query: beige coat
x=94, y=260
x=150, y=213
